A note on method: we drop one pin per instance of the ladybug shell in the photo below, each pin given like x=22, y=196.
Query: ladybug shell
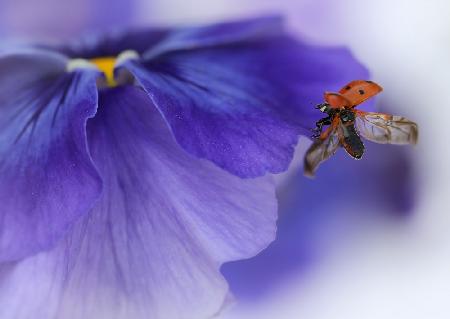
x=360, y=90
x=336, y=100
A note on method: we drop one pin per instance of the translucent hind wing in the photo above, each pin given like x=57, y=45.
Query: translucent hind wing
x=385, y=128
x=322, y=149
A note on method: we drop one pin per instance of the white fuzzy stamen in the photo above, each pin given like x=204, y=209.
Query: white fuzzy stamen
x=125, y=56
x=75, y=64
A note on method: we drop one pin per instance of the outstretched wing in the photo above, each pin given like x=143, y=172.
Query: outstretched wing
x=360, y=90
x=322, y=149
x=386, y=128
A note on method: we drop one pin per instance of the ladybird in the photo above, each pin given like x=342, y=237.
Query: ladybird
x=347, y=125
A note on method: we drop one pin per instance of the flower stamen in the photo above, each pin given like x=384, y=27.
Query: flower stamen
x=106, y=65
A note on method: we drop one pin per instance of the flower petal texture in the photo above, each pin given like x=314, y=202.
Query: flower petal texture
x=153, y=244
x=242, y=104
x=191, y=38
x=47, y=177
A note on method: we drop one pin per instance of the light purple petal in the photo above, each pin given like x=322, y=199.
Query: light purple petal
x=153, y=244
x=243, y=106
x=318, y=215
x=47, y=179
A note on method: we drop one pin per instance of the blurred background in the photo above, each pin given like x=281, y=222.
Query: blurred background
x=367, y=239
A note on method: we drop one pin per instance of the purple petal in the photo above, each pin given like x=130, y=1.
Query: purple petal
x=153, y=244
x=154, y=41
x=47, y=179
x=192, y=38
x=243, y=106
x=112, y=43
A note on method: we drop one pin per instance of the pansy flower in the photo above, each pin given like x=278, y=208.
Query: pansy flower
x=132, y=165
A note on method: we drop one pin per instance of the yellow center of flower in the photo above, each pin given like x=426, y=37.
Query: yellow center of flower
x=106, y=65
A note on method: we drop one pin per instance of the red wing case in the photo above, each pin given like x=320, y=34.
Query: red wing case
x=336, y=100
x=360, y=90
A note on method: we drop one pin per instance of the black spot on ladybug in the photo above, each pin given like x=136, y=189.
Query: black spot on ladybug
x=369, y=81
x=361, y=92
x=348, y=87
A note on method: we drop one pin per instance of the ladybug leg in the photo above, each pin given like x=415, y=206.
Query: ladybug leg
x=319, y=126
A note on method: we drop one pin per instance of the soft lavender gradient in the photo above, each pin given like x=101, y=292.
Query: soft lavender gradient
x=62, y=19
x=316, y=214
